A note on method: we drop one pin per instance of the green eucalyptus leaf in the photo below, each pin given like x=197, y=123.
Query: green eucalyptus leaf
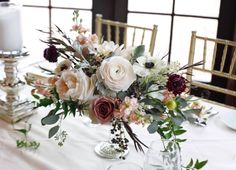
x=121, y=95
x=50, y=119
x=156, y=118
x=182, y=103
x=180, y=113
x=139, y=51
x=160, y=107
x=153, y=127
x=156, y=103
x=154, y=111
x=53, y=131
x=178, y=120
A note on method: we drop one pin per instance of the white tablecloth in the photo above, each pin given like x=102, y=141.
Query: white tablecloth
x=215, y=142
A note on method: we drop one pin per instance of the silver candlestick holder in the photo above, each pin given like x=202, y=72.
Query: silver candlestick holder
x=13, y=108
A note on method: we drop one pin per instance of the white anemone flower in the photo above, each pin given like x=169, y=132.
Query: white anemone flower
x=147, y=65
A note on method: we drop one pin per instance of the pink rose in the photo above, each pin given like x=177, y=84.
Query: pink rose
x=102, y=109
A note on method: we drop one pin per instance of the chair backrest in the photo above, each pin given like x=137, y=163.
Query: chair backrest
x=119, y=28
x=219, y=46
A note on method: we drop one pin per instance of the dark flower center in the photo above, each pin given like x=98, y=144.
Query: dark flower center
x=175, y=84
x=64, y=67
x=149, y=64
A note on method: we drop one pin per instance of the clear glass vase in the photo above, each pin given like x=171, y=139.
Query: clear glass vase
x=158, y=158
x=110, y=149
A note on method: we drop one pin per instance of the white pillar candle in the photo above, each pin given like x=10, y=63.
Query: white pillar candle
x=10, y=27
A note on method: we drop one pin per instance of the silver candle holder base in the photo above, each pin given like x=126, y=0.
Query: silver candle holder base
x=13, y=108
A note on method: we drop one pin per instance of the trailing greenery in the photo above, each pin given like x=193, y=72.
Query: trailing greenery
x=26, y=143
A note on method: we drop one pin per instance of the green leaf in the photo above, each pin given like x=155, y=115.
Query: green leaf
x=72, y=109
x=121, y=95
x=154, y=111
x=45, y=102
x=168, y=135
x=53, y=131
x=180, y=140
x=36, y=96
x=156, y=103
x=178, y=120
x=179, y=132
x=50, y=119
x=180, y=113
x=160, y=132
x=56, y=95
x=65, y=107
x=58, y=105
x=181, y=102
x=153, y=127
x=160, y=107
x=199, y=165
x=139, y=51
x=190, y=164
x=148, y=84
x=165, y=129
x=24, y=131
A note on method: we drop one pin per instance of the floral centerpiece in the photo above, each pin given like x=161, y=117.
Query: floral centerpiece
x=111, y=84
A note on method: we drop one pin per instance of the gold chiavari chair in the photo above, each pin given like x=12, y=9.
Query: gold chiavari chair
x=119, y=28
x=221, y=47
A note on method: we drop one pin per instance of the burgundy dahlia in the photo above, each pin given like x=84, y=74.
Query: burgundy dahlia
x=176, y=84
x=51, y=54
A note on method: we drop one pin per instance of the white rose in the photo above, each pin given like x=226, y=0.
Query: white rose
x=75, y=85
x=116, y=73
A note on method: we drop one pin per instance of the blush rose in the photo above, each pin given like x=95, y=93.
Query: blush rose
x=103, y=108
x=116, y=73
